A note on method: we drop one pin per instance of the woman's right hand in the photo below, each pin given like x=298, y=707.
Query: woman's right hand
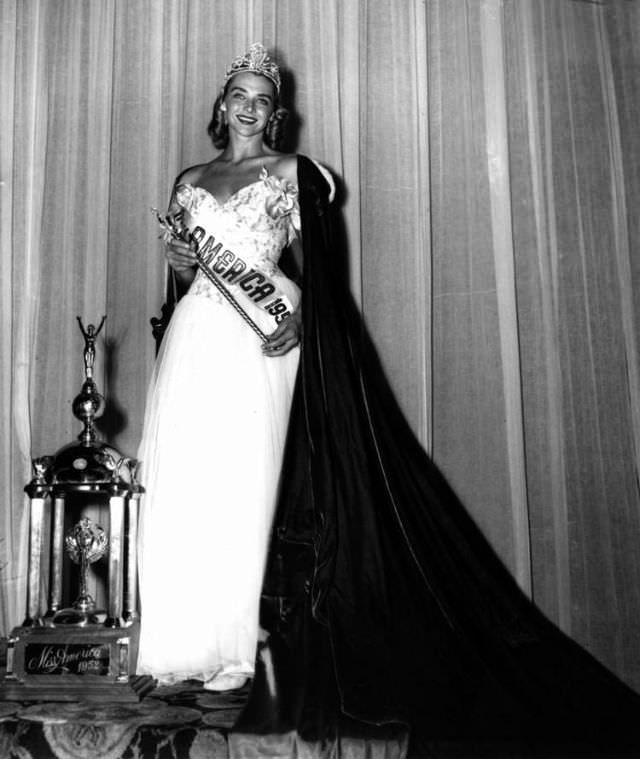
x=181, y=258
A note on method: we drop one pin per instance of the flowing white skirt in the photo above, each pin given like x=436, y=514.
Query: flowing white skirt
x=211, y=452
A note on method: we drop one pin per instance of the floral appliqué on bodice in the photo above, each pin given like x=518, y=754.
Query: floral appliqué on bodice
x=256, y=222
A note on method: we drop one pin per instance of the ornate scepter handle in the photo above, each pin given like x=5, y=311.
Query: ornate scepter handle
x=180, y=232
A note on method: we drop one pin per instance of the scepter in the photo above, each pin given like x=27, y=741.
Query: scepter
x=180, y=232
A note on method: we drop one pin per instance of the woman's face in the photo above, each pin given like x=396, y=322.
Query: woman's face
x=250, y=101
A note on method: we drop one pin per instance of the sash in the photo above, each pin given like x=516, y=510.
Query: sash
x=251, y=285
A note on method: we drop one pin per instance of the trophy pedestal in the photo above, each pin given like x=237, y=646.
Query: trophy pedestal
x=90, y=663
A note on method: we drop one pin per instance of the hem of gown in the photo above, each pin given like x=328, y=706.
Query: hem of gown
x=174, y=678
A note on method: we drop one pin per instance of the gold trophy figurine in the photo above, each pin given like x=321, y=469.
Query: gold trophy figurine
x=90, y=333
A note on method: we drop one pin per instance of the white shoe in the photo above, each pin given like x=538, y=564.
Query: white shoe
x=225, y=682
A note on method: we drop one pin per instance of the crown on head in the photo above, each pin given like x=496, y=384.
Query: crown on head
x=257, y=61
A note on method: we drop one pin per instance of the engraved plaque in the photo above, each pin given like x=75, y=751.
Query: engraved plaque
x=66, y=659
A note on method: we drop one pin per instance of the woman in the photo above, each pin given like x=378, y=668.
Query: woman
x=382, y=602
x=219, y=400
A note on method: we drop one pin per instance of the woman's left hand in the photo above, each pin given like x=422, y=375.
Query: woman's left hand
x=285, y=337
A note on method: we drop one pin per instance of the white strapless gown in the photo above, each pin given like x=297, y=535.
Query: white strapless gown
x=211, y=451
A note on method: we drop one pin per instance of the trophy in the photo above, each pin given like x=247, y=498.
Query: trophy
x=80, y=652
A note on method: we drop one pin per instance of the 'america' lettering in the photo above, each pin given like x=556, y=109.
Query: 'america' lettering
x=209, y=250
x=223, y=261
x=197, y=233
x=248, y=278
x=231, y=268
x=235, y=270
x=260, y=292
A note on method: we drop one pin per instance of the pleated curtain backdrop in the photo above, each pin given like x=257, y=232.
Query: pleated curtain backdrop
x=487, y=158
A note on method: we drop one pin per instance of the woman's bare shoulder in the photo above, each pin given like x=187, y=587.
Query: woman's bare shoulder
x=192, y=174
x=285, y=166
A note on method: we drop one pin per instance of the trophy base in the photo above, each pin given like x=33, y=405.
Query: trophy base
x=71, y=663
x=135, y=688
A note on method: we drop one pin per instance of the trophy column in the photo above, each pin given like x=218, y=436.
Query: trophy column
x=130, y=612
x=57, y=555
x=37, y=490
x=116, y=527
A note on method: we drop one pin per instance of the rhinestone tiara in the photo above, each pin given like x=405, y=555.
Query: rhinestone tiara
x=257, y=61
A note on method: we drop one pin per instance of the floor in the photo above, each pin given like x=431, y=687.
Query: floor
x=185, y=721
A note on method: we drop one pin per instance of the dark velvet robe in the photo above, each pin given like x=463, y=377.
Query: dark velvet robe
x=383, y=601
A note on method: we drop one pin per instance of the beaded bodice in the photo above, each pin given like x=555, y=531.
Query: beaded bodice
x=255, y=223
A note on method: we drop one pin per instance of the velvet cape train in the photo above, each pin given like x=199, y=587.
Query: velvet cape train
x=382, y=600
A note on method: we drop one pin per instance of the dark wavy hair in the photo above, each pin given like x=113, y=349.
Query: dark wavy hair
x=274, y=133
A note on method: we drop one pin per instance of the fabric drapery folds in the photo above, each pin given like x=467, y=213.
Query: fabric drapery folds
x=383, y=602
x=108, y=101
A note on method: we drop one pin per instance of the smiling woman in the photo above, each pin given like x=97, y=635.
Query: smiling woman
x=250, y=97
x=241, y=211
